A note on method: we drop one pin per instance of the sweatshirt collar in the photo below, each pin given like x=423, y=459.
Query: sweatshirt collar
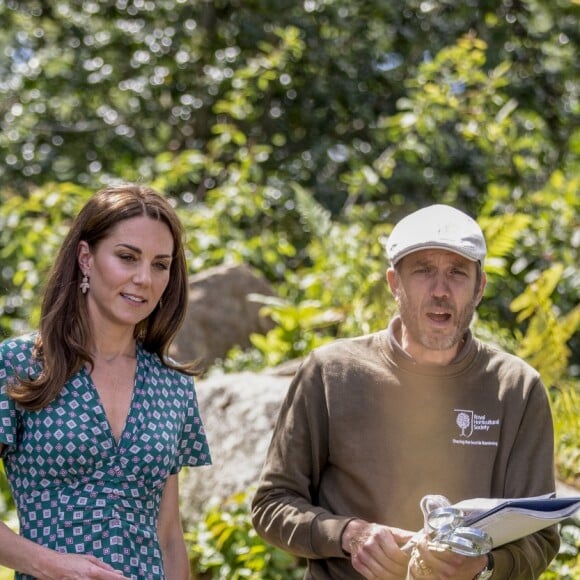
x=394, y=329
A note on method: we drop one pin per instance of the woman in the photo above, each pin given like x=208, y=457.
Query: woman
x=95, y=420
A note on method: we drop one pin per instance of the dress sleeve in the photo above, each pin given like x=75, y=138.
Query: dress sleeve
x=8, y=420
x=193, y=448
x=8, y=412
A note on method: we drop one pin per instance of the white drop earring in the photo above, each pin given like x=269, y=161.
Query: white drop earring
x=85, y=284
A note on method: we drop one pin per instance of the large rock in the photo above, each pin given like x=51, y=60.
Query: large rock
x=239, y=411
x=220, y=314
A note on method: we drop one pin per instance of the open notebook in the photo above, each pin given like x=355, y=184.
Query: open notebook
x=506, y=520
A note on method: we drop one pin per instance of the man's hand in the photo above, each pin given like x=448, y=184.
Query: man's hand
x=375, y=550
x=430, y=563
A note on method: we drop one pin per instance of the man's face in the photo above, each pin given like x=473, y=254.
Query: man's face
x=437, y=292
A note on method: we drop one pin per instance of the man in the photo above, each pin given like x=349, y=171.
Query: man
x=371, y=425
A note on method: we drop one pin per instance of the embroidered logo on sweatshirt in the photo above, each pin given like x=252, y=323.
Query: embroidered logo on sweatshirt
x=474, y=429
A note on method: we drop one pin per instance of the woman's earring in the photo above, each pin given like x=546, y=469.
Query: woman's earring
x=85, y=285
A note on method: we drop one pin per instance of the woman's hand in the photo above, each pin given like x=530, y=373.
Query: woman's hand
x=32, y=559
x=78, y=567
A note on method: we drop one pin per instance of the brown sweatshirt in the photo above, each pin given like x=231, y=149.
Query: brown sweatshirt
x=365, y=432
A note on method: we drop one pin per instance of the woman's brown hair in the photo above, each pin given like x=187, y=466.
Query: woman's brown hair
x=63, y=341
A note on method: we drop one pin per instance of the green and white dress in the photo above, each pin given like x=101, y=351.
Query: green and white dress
x=76, y=488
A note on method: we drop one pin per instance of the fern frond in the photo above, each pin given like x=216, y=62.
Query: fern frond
x=502, y=232
x=316, y=217
x=537, y=295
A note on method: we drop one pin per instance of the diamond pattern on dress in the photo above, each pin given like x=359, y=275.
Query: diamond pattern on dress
x=77, y=490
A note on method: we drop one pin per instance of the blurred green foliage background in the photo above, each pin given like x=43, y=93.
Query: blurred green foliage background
x=291, y=137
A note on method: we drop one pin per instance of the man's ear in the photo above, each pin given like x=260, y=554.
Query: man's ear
x=393, y=281
x=482, y=287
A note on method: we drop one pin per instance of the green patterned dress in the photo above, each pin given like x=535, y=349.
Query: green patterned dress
x=76, y=488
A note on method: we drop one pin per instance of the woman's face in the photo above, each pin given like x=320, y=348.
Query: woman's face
x=128, y=270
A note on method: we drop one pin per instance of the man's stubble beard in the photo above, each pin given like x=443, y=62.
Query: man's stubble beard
x=410, y=319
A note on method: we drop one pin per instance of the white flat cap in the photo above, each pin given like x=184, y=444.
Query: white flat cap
x=437, y=227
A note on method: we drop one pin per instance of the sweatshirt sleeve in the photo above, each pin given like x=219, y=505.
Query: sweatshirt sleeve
x=530, y=473
x=283, y=509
